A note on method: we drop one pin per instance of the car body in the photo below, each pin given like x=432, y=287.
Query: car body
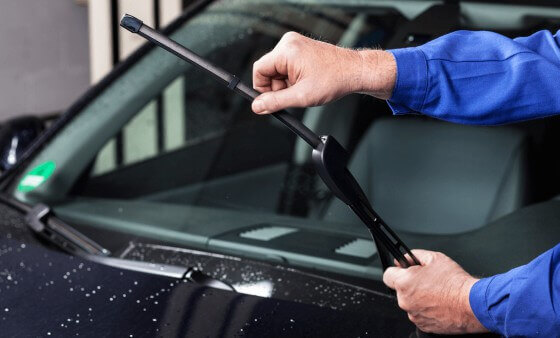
x=160, y=165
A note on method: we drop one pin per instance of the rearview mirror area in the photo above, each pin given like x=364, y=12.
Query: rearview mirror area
x=16, y=135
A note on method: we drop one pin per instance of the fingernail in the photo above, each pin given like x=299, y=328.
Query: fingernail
x=258, y=106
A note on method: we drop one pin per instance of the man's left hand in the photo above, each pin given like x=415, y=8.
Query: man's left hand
x=435, y=294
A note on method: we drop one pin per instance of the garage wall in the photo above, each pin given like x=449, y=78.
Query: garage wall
x=44, y=58
x=110, y=44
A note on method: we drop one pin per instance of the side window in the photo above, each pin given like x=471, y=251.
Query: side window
x=159, y=127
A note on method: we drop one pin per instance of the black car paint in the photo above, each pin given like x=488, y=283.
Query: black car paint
x=47, y=293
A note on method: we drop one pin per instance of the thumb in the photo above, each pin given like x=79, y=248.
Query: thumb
x=424, y=256
x=273, y=101
x=391, y=275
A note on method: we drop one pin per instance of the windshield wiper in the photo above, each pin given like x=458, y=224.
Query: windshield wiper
x=329, y=157
x=41, y=219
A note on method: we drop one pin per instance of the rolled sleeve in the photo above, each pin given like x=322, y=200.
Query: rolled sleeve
x=479, y=306
x=412, y=81
x=523, y=301
x=479, y=78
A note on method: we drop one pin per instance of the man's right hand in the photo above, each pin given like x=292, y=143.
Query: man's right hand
x=302, y=72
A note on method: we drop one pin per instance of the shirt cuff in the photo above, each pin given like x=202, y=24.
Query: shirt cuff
x=479, y=304
x=411, y=85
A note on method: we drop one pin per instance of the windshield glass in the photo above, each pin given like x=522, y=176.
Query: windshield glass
x=166, y=152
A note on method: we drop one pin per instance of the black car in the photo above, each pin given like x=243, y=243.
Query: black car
x=164, y=207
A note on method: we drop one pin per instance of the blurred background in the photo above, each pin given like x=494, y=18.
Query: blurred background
x=51, y=54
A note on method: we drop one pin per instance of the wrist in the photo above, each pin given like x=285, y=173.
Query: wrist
x=378, y=73
x=472, y=324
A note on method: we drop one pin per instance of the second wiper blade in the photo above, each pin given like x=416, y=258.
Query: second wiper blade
x=329, y=157
x=42, y=222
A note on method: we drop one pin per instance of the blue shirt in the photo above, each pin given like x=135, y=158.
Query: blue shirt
x=485, y=78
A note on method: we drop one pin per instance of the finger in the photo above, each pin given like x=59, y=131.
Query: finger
x=391, y=275
x=265, y=70
x=273, y=101
x=410, y=261
x=424, y=256
x=413, y=318
x=278, y=84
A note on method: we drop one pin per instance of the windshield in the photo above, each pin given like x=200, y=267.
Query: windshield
x=167, y=153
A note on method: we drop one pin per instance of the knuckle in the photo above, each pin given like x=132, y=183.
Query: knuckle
x=290, y=44
x=403, y=303
x=290, y=37
x=412, y=318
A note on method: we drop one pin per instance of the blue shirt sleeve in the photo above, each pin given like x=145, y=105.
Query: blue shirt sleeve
x=522, y=302
x=479, y=78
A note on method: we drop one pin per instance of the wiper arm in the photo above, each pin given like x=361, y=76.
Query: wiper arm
x=329, y=157
x=193, y=275
x=41, y=220
x=44, y=223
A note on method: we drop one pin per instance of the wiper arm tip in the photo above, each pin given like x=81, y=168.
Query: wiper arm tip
x=131, y=23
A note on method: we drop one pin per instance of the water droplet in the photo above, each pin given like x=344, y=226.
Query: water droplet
x=23, y=246
x=6, y=310
x=154, y=319
x=48, y=333
x=135, y=283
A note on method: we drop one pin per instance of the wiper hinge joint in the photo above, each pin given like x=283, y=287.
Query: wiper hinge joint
x=42, y=221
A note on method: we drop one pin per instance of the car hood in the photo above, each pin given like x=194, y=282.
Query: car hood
x=44, y=292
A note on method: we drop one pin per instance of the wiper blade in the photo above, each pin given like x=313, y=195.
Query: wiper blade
x=329, y=157
x=193, y=275
x=42, y=221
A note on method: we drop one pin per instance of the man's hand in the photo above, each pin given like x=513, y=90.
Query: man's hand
x=302, y=72
x=435, y=294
